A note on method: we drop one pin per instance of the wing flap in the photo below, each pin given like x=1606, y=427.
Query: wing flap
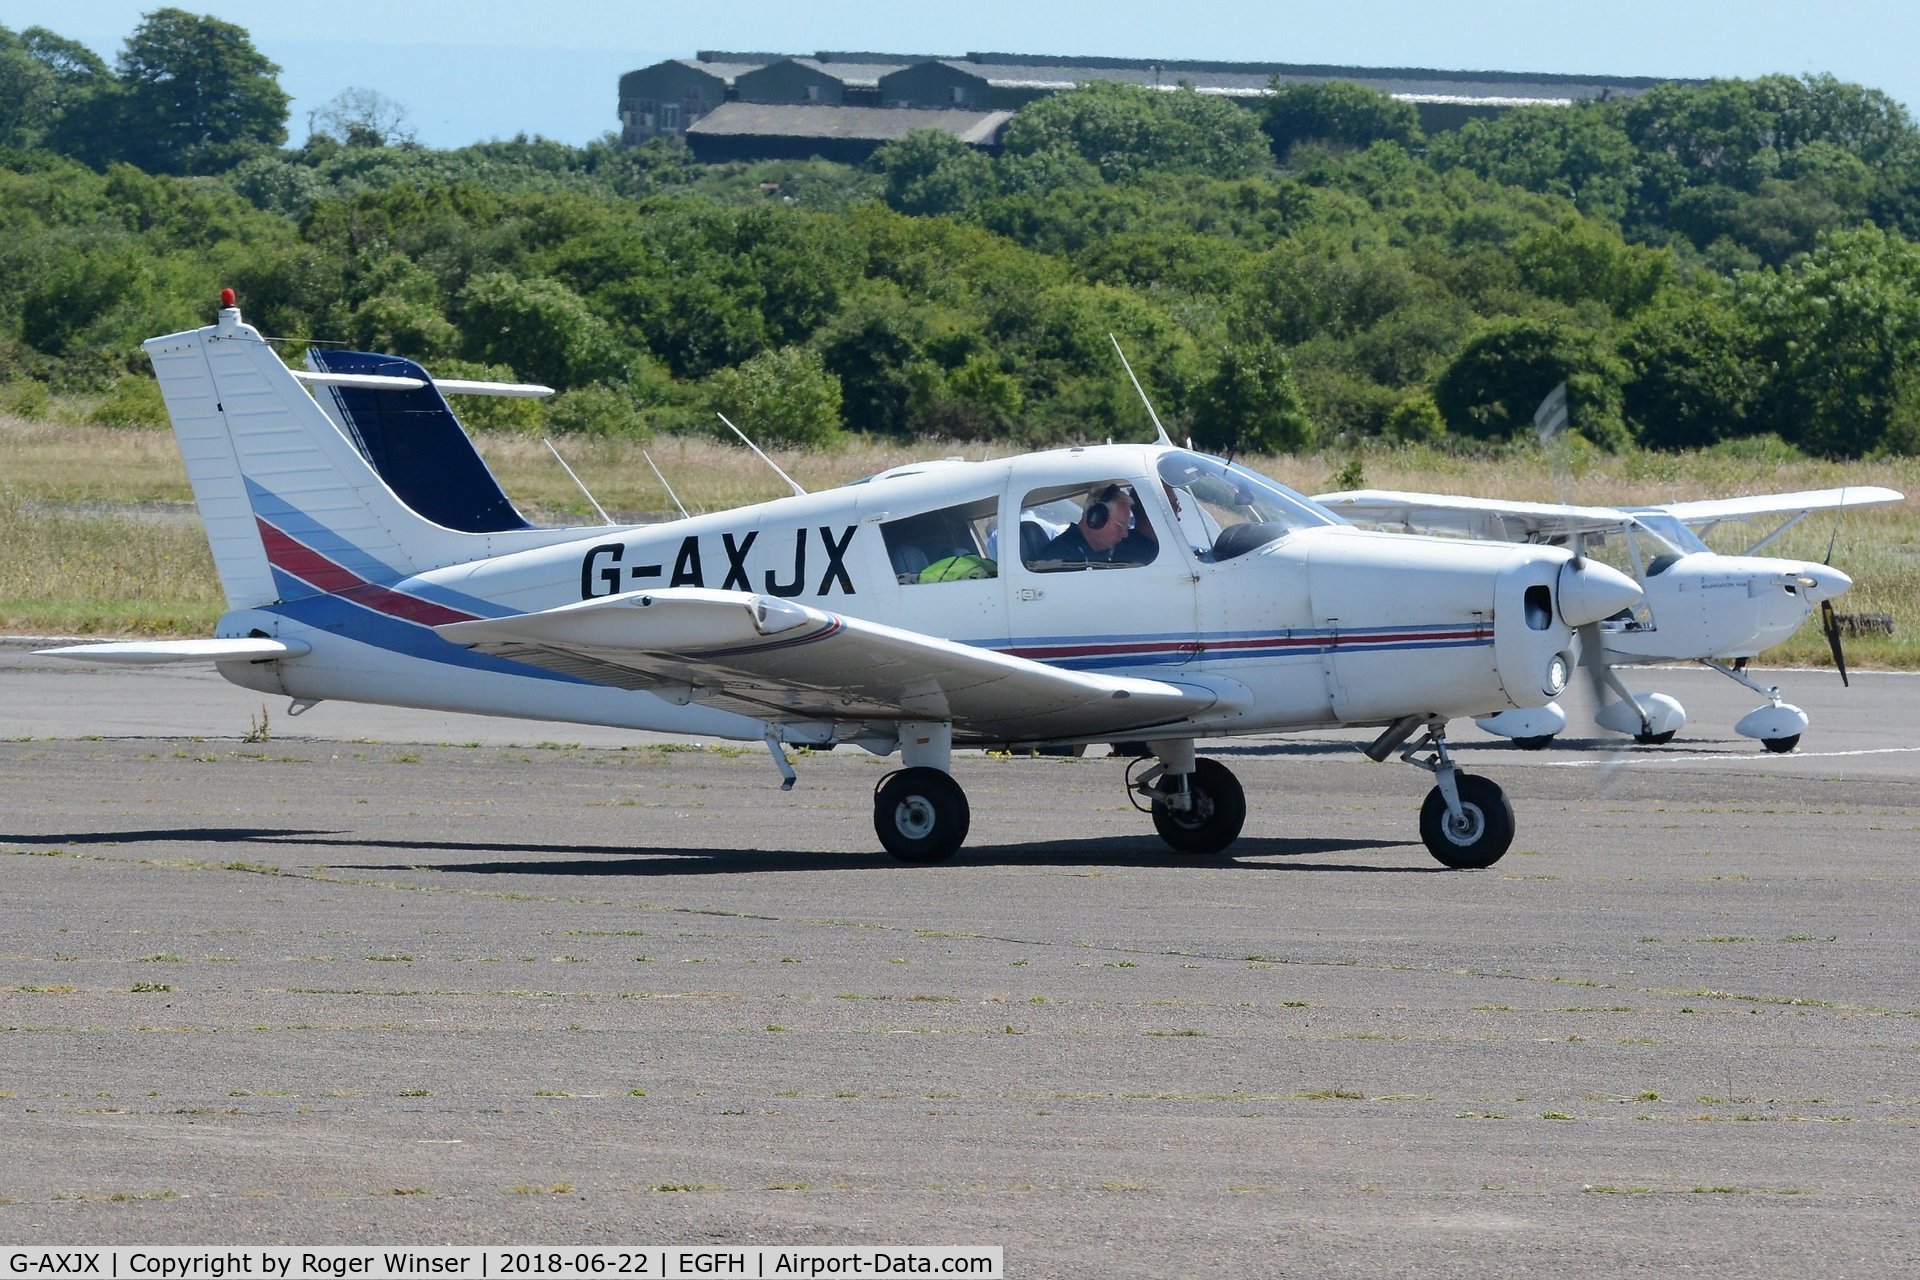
x=775, y=659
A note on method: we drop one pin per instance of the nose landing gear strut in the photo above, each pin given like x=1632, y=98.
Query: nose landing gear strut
x=1465, y=822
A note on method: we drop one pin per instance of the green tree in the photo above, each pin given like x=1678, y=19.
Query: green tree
x=1692, y=376
x=1494, y=385
x=1338, y=113
x=875, y=350
x=26, y=93
x=1577, y=259
x=1713, y=133
x=930, y=172
x=1863, y=122
x=196, y=95
x=539, y=328
x=55, y=93
x=1416, y=420
x=73, y=304
x=1250, y=404
x=598, y=410
x=1125, y=130
x=1835, y=329
x=1581, y=153
x=784, y=397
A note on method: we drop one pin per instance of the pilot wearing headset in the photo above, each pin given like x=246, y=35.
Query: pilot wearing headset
x=1112, y=530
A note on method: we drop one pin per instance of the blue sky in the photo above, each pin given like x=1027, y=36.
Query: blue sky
x=468, y=70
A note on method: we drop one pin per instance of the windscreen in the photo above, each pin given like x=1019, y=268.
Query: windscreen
x=1210, y=495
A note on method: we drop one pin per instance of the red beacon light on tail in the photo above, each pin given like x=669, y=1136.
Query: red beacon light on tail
x=227, y=298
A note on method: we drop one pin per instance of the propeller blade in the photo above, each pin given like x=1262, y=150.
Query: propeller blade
x=1831, y=625
x=1593, y=662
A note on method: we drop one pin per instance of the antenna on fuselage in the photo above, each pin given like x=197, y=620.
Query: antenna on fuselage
x=598, y=509
x=1162, y=431
x=663, y=483
x=798, y=492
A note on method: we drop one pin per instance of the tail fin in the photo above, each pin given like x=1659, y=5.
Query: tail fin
x=292, y=507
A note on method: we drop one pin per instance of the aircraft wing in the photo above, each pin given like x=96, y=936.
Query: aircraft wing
x=1489, y=519
x=783, y=662
x=1705, y=515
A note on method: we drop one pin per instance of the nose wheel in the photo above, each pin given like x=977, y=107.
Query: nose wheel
x=1466, y=822
x=1478, y=835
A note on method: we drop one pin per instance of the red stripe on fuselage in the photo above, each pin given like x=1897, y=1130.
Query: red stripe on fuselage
x=290, y=556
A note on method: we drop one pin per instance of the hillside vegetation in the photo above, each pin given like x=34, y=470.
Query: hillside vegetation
x=1726, y=276
x=1698, y=263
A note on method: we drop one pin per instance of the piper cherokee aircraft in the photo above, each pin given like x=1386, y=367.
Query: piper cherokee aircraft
x=368, y=555
x=1698, y=606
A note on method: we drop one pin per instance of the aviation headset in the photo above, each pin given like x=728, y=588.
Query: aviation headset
x=1098, y=512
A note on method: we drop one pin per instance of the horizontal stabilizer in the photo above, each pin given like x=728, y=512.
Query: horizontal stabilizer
x=447, y=386
x=147, y=653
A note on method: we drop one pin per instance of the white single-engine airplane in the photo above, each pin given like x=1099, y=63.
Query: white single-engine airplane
x=1699, y=606
x=368, y=555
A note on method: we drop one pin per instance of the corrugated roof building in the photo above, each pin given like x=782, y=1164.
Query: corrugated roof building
x=682, y=94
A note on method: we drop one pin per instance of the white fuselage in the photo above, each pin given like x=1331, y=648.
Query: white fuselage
x=1707, y=605
x=1325, y=625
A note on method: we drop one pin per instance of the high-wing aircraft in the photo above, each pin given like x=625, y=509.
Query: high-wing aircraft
x=1139, y=592
x=1699, y=606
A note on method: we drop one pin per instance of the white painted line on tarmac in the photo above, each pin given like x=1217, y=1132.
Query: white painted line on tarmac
x=1704, y=757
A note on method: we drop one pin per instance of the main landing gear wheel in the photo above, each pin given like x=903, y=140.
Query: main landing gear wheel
x=1655, y=739
x=920, y=814
x=1483, y=833
x=1538, y=743
x=1781, y=745
x=1218, y=810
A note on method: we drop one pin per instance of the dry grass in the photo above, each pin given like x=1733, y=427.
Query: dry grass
x=97, y=533
x=69, y=571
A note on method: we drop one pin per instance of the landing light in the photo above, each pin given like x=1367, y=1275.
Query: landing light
x=1557, y=673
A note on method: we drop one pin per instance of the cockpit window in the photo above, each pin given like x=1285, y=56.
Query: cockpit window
x=1213, y=499
x=1099, y=526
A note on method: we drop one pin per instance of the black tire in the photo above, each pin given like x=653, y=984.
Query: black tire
x=1219, y=811
x=920, y=814
x=1781, y=745
x=1655, y=739
x=1489, y=827
x=1539, y=743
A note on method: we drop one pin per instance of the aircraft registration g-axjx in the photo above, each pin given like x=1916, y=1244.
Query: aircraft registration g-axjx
x=368, y=555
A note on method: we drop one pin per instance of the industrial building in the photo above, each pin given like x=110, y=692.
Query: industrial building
x=733, y=106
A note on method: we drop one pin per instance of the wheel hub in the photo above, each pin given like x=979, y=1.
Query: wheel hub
x=914, y=817
x=1466, y=828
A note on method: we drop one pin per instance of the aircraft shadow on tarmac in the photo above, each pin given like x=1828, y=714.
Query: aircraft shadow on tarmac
x=1295, y=748
x=637, y=860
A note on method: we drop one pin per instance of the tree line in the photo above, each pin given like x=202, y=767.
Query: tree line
x=1699, y=263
